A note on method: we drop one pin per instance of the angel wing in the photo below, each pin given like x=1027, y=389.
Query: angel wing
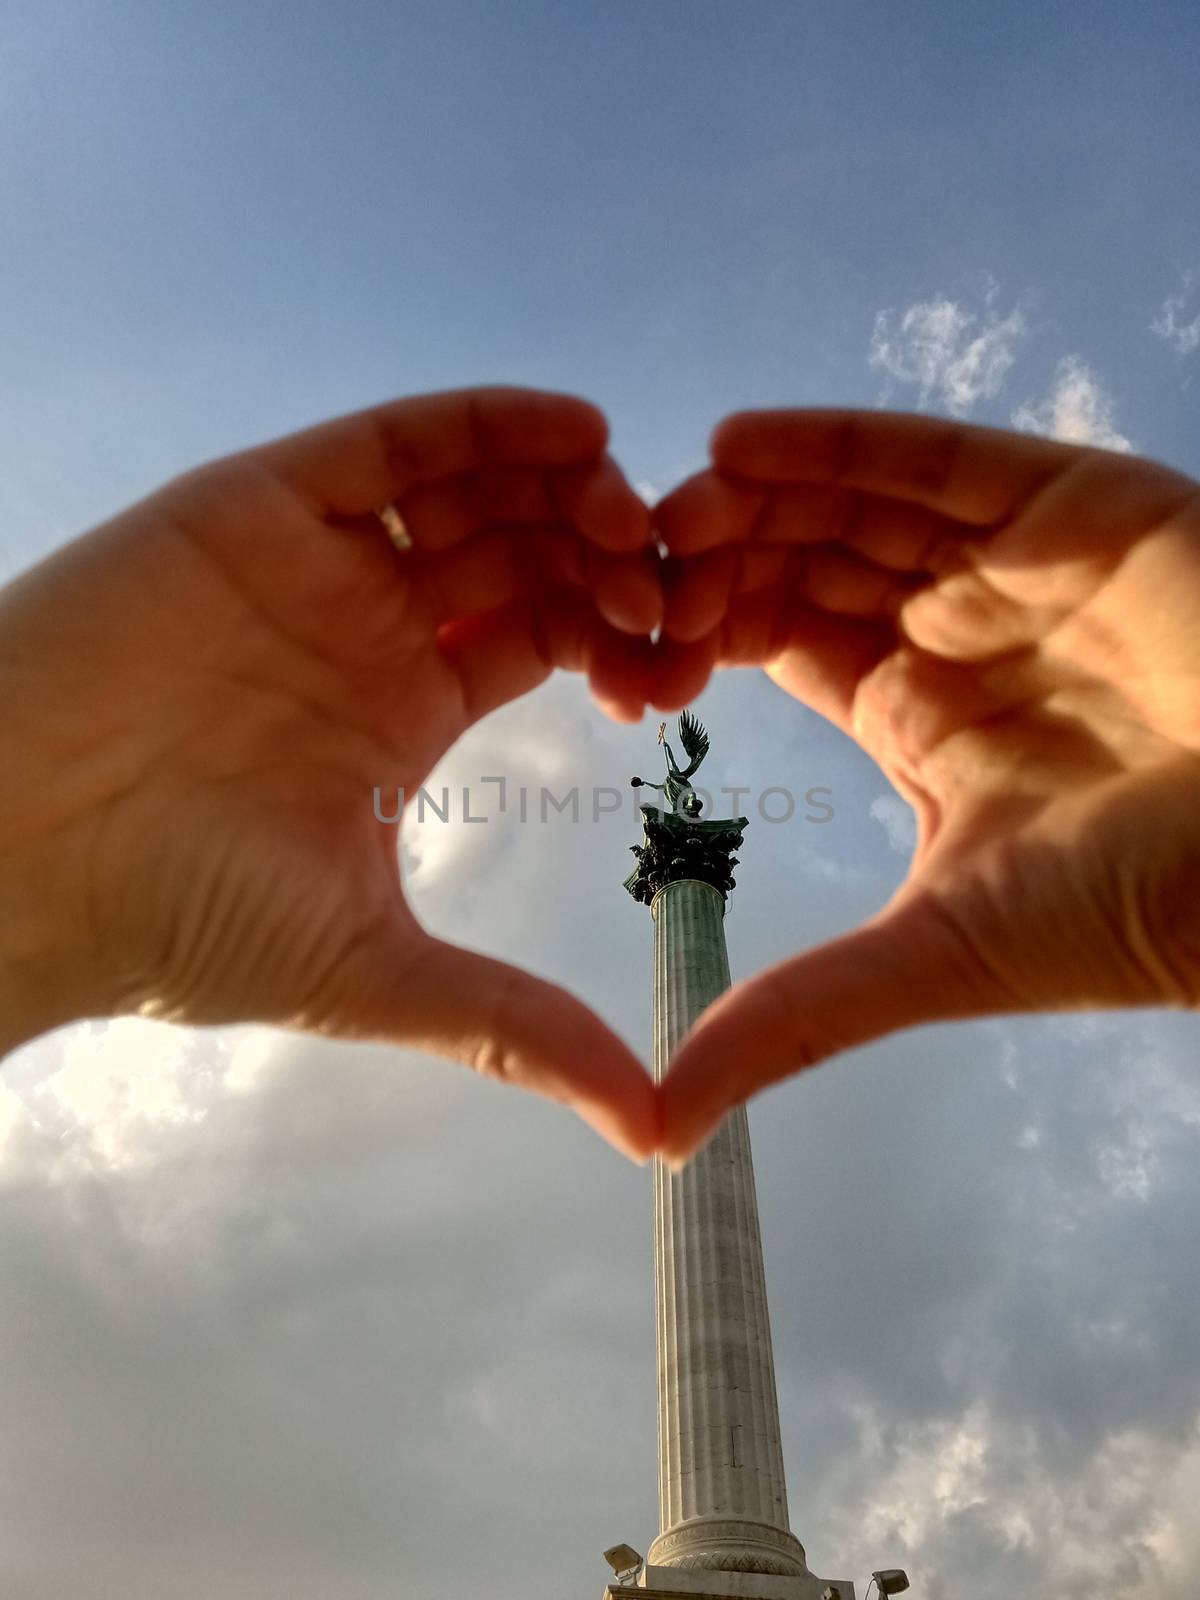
x=693, y=739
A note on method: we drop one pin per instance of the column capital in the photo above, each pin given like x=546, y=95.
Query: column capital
x=675, y=847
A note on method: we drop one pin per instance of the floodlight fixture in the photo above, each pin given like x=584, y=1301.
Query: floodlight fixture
x=625, y=1562
x=891, y=1580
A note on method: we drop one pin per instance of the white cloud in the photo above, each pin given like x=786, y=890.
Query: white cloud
x=1182, y=336
x=118, y=1092
x=122, y=1086
x=278, y=1311
x=445, y=843
x=898, y=821
x=954, y=356
x=1077, y=410
x=978, y=1492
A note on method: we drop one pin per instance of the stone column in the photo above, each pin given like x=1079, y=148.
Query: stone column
x=723, y=1515
x=722, y=1500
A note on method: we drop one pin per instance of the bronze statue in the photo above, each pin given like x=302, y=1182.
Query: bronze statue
x=681, y=797
x=677, y=844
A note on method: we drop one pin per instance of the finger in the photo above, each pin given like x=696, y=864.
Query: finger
x=908, y=966
x=500, y=655
x=564, y=623
x=601, y=502
x=974, y=475
x=626, y=589
x=758, y=611
x=820, y=659
x=595, y=500
x=678, y=670
x=699, y=589
x=497, y=656
x=707, y=510
x=841, y=582
x=759, y=566
x=443, y=514
x=478, y=575
x=510, y=1026
x=893, y=533
x=555, y=558
x=697, y=593
x=966, y=617
x=757, y=627
x=498, y=564
x=571, y=634
x=712, y=510
x=907, y=709
x=866, y=553
x=356, y=463
x=618, y=672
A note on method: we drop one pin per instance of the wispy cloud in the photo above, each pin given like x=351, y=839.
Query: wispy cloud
x=1078, y=409
x=897, y=820
x=955, y=357
x=1182, y=336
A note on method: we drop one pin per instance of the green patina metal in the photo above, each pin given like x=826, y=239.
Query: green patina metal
x=677, y=842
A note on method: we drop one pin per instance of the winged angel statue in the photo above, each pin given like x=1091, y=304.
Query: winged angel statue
x=677, y=844
x=677, y=788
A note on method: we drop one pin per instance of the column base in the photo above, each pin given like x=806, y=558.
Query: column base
x=729, y=1544
x=666, y=1583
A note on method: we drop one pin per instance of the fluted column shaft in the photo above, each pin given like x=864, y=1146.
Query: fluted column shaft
x=720, y=1459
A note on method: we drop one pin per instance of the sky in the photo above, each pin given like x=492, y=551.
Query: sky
x=286, y=1318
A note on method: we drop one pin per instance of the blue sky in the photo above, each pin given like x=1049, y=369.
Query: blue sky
x=224, y=221
x=288, y=1318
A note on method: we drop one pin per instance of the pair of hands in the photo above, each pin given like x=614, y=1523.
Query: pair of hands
x=197, y=699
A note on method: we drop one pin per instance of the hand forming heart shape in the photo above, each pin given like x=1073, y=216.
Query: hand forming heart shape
x=197, y=696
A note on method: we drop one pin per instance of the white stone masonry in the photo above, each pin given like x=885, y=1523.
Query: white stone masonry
x=722, y=1499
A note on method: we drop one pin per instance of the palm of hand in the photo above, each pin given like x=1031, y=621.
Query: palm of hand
x=261, y=727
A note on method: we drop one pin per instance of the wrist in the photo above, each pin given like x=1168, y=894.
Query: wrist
x=48, y=971
x=43, y=976
x=20, y=1008
x=17, y=1026
x=30, y=1000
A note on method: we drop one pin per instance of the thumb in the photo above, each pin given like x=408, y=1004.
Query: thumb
x=507, y=1024
x=910, y=964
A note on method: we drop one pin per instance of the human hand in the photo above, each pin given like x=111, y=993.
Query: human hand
x=1010, y=627
x=198, y=698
